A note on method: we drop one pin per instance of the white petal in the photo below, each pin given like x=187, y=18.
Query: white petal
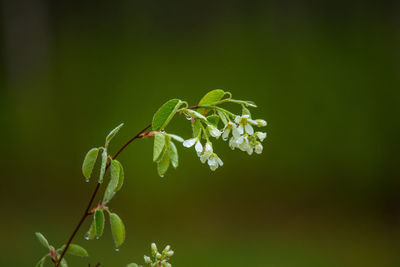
x=250, y=150
x=225, y=135
x=211, y=161
x=198, y=147
x=253, y=122
x=213, y=167
x=220, y=162
x=189, y=142
x=261, y=135
x=246, y=116
x=259, y=148
x=240, y=129
x=232, y=143
x=237, y=119
x=235, y=132
x=249, y=129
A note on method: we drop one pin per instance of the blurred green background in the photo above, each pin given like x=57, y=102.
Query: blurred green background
x=325, y=75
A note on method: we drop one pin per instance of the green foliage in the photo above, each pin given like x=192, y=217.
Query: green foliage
x=113, y=133
x=89, y=161
x=42, y=240
x=165, y=113
x=104, y=158
x=237, y=128
x=117, y=229
x=159, y=143
x=99, y=222
x=114, y=181
x=77, y=250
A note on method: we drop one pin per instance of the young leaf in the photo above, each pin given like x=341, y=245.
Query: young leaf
x=121, y=177
x=99, y=222
x=163, y=164
x=165, y=113
x=77, y=250
x=113, y=133
x=195, y=114
x=173, y=154
x=117, y=229
x=159, y=143
x=103, y=165
x=112, y=185
x=210, y=98
x=176, y=137
x=89, y=161
x=222, y=116
x=42, y=240
x=41, y=261
x=91, y=234
x=213, y=120
x=63, y=263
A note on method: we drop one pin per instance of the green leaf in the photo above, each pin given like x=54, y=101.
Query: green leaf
x=159, y=143
x=213, y=120
x=117, y=229
x=63, y=263
x=177, y=138
x=91, y=234
x=42, y=240
x=121, y=177
x=89, y=161
x=99, y=222
x=210, y=98
x=41, y=261
x=222, y=116
x=173, y=154
x=132, y=265
x=103, y=165
x=244, y=102
x=165, y=113
x=113, y=133
x=196, y=127
x=112, y=185
x=194, y=114
x=163, y=164
x=77, y=250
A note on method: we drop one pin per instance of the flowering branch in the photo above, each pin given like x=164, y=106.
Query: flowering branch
x=205, y=118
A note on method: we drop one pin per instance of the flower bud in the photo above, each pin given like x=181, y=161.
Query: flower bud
x=167, y=248
x=261, y=123
x=158, y=255
x=147, y=259
x=170, y=253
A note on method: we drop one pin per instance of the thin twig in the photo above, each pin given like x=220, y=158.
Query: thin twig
x=86, y=213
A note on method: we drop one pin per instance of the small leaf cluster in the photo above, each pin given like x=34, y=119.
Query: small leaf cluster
x=158, y=259
x=205, y=119
x=115, y=183
x=54, y=254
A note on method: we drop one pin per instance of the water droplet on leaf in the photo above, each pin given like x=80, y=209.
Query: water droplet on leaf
x=117, y=249
x=87, y=180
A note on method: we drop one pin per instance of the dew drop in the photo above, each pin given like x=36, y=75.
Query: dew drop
x=87, y=180
x=117, y=249
x=189, y=118
x=97, y=237
x=87, y=237
x=162, y=175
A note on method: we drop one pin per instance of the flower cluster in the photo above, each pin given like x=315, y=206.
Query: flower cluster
x=240, y=128
x=159, y=259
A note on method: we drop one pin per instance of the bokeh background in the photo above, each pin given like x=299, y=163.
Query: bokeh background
x=325, y=75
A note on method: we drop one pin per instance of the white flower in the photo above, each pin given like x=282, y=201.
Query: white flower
x=233, y=143
x=261, y=123
x=230, y=126
x=214, y=162
x=244, y=124
x=258, y=148
x=208, y=150
x=243, y=143
x=214, y=131
x=190, y=142
x=170, y=253
x=261, y=135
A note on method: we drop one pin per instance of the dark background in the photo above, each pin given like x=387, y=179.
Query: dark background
x=325, y=75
